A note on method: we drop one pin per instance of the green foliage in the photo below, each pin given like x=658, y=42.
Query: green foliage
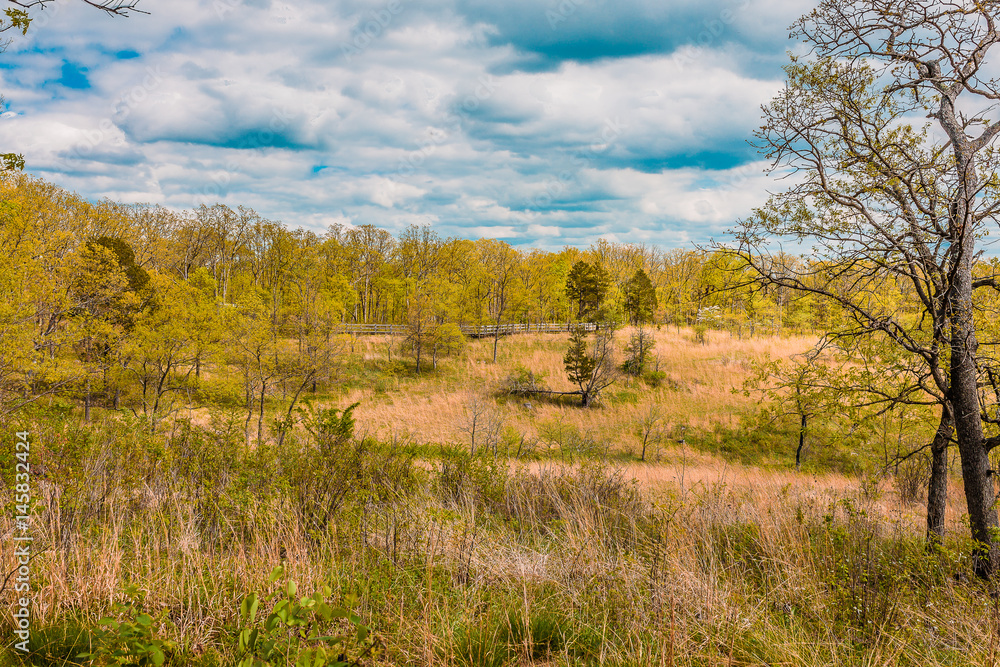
x=463, y=476
x=587, y=286
x=658, y=378
x=522, y=381
x=59, y=644
x=700, y=333
x=499, y=638
x=334, y=470
x=298, y=629
x=330, y=428
x=11, y=162
x=18, y=20
x=638, y=351
x=138, y=278
x=126, y=639
x=578, y=361
x=640, y=298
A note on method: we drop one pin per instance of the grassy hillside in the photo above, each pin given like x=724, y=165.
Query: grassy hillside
x=553, y=545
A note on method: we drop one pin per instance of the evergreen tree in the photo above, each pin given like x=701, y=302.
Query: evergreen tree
x=640, y=298
x=578, y=362
x=591, y=367
x=587, y=285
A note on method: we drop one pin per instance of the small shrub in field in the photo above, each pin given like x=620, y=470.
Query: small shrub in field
x=330, y=427
x=638, y=351
x=323, y=482
x=127, y=638
x=332, y=469
x=479, y=478
x=911, y=479
x=522, y=382
x=657, y=378
x=302, y=631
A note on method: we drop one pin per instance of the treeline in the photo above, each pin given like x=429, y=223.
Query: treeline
x=127, y=305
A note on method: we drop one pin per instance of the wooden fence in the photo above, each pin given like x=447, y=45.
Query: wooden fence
x=471, y=330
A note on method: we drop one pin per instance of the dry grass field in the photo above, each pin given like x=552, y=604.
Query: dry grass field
x=696, y=394
x=689, y=558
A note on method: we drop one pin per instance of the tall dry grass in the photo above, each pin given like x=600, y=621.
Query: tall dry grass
x=697, y=392
x=686, y=560
x=690, y=563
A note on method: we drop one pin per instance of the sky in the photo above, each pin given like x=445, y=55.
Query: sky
x=544, y=123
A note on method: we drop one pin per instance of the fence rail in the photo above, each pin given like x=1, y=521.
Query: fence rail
x=473, y=331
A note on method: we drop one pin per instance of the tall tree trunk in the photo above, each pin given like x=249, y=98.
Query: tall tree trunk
x=980, y=495
x=937, y=487
x=964, y=395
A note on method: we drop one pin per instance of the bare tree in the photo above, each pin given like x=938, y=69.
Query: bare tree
x=652, y=427
x=482, y=423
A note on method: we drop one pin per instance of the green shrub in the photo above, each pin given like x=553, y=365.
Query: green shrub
x=299, y=630
x=127, y=638
x=322, y=482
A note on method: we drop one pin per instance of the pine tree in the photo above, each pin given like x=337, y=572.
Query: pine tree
x=578, y=362
x=640, y=298
x=587, y=285
x=591, y=367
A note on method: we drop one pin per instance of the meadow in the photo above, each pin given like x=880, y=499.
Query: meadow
x=375, y=536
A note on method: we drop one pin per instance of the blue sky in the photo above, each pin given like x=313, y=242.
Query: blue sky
x=542, y=122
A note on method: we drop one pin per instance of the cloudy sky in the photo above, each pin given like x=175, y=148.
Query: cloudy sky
x=542, y=122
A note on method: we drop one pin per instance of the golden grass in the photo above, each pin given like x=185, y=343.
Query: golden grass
x=686, y=590
x=698, y=393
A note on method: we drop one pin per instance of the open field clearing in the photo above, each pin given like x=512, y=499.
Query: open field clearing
x=696, y=392
x=553, y=545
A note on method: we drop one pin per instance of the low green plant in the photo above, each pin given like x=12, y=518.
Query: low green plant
x=297, y=630
x=58, y=644
x=126, y=639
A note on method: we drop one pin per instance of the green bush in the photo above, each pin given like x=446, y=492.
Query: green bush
x=126, y=638
x=303, y=630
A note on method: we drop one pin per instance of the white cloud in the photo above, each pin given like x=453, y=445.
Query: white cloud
x=276, y=106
